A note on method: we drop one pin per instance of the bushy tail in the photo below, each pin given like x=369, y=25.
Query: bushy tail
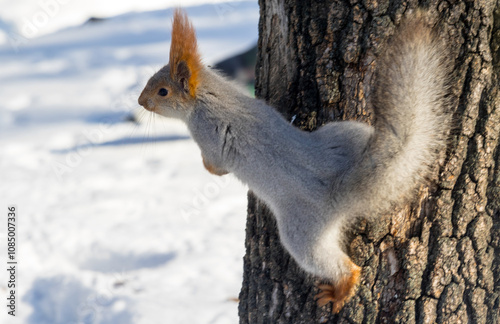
x=411, y=114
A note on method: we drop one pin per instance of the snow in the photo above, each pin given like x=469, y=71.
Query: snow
x=33, y=18
x=118, y=221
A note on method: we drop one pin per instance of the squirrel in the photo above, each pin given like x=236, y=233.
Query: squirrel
x=317, y=183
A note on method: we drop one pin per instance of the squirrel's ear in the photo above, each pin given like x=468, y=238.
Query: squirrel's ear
x=185, y=62
x=182, y=76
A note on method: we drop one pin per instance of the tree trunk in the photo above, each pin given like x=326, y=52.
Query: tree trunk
x=436, y=260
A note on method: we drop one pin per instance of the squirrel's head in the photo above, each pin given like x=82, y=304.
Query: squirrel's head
x=171, y=92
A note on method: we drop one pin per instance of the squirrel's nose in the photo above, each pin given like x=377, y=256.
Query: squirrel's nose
x=142, y=100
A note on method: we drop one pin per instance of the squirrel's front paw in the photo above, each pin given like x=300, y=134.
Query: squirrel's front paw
x=340, y=292
x=213, y=169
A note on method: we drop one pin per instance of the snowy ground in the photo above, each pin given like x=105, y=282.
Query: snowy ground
x=34, y=18
x=118, y=222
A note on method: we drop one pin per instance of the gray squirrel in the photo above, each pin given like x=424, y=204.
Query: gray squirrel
x=317, y=183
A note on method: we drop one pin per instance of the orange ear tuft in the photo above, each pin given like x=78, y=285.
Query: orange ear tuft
x=184, y=48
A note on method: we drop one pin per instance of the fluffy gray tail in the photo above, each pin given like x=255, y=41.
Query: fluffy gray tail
x=411, y=115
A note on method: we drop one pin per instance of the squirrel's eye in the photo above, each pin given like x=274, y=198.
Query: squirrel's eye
x=163, y=92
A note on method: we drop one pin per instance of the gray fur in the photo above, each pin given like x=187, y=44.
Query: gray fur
x=317, y=183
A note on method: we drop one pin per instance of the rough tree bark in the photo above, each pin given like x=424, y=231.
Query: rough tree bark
x=436, y=260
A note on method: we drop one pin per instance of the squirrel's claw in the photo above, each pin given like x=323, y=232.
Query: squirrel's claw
x=340, y=292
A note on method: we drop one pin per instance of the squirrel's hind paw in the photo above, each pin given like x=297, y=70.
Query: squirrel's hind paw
x=340, y=292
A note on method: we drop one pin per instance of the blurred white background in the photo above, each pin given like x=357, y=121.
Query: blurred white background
x=118, y=221
x=21, y=14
